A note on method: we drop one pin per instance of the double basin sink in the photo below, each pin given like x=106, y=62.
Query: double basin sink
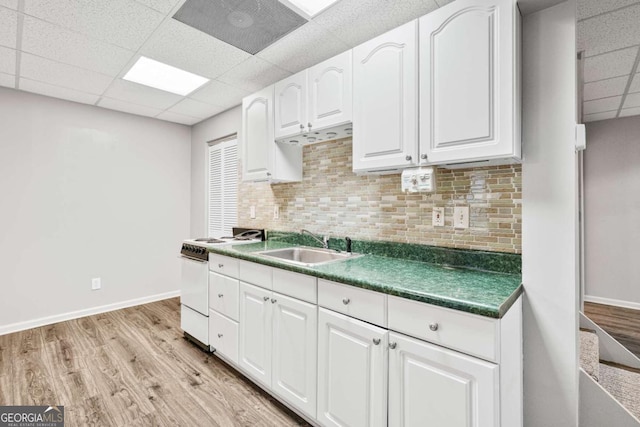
x=308, y=257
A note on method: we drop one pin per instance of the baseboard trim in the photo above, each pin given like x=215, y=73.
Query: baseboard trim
x=43, y=321
x=614, y=302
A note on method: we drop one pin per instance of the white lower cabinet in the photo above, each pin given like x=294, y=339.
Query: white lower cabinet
x=352, y=371
x=433, y=386
x=278, y=337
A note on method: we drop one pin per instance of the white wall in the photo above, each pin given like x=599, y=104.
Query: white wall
x=612, y=211
x=224, y=124
x=86, y=192
x=549, y=218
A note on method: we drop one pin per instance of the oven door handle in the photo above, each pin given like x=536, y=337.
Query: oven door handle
x=201, y=261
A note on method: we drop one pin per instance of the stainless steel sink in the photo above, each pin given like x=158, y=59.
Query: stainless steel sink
x=309, y=257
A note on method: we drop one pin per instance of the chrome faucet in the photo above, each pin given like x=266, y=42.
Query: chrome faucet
x=324, y=242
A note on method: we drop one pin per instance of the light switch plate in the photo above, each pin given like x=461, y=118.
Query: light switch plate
x=252, y=212
x=438, y=217
x=276, y=212
x=461, y=217
x=96, y=283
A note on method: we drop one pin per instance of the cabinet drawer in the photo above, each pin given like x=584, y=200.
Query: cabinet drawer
x=355, y=302
x=295, y=285
x=465, y=332
x=224, y=265
x=223, y=336
x=256, y=274
x=223, y=295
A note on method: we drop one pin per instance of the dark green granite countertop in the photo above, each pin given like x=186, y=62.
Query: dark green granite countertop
x=480, y=292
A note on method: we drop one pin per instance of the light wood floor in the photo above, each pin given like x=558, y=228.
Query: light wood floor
x=621, y=323
x=130, y=367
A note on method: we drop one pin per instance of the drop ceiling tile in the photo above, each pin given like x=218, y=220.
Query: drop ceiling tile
x=602, y=105
x=254, y=74
x=193, y=108
x=605, y=88
x=588, y=8
x=124, y=23
x=302, y=48
x=7, y=80
x=599, y=116
x=142, y=95
x=48, y=71
x=62, y=45
x=7, y=60
x=178, y=118
x=8, y=28
x=609, y=32
x=356, y=21
x=635, y=84
x=127, y=107
x=184, y=47
x=163, y=6
x=13, y=4
x=57, y=91
x=608, y=65
x=626, y=112
x=220, y=94
x=632, y=100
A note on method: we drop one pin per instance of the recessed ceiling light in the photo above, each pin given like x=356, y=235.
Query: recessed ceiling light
x=310, y=8
x=164, y=77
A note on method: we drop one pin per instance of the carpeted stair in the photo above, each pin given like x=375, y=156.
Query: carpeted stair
x=622, y=382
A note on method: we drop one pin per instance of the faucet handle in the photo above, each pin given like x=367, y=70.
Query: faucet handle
x=325, y=242
x=348, y=241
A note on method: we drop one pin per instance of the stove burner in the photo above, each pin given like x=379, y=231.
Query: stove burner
x=209, y=240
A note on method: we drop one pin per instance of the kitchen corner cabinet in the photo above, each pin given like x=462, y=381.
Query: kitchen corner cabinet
x=469, y=82
x=262, y=157
x=352, y=372
x=385, y=108
x=315, y=99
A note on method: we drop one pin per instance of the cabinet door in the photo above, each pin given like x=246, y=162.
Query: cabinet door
x=433, y=386
x=385, y=94
x=257, y=135
x=255, y=332
x=291, y=105
x=330, y=92
x=294, y=366
x=468, y=81
x=352, y=372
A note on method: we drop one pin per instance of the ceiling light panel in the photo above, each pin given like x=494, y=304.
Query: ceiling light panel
x=308, y=8
x=250, y=25
x=161, y=76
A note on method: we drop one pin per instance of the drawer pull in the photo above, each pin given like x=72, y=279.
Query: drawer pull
x=220, y=295
x=265, y=298
x=219, y=335
x=393, y=345
x=220, y=265
x=273, y=301
x=346, y=301
x=433, y=326
x=376, y=341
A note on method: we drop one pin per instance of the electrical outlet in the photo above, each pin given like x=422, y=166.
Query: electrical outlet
x=461, y=217
x=276, y=212
x=438, y=217
x=252, y=212
x=96, y=284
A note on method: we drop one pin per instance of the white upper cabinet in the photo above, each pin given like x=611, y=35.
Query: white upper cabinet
x=330, y=92
x=263, y=158
x=385, y=96
x=314, y=100
x=469, y=84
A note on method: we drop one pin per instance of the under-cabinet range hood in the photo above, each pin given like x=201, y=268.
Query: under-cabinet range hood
x=323, y=135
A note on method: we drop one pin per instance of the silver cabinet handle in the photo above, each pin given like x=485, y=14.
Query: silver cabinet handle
x=346, y=301
x=423, y=156
x=220, y=265
x=268, y=173
x=220, y=295
x=265, y=298
x=433, y=326
x=393, y=345
x=408, y=158
x=219, y=335
x=376, y=341
x=273, y=301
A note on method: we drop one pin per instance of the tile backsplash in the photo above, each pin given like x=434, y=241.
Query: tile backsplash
x=332, y=200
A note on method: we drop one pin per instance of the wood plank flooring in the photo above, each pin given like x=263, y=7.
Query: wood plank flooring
x=621, y=323
x=131, y=367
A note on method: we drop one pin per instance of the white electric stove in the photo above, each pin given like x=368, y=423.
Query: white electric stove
x=194, y=286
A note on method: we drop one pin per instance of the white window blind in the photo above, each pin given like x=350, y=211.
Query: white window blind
x=223, y=187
